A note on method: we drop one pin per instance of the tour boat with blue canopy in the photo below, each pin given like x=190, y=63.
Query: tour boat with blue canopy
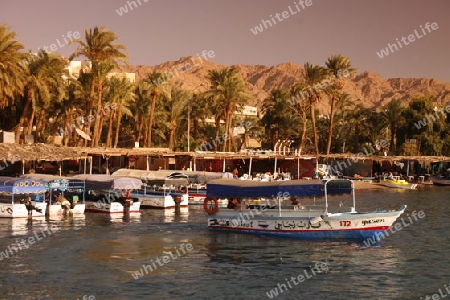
x=21, y=197
x=161, y=189
x=307, y=209
x=64, y=195
x=110, y=194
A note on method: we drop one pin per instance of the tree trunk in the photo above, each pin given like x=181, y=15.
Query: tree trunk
x=110, y=128
x=393, y=138
x=97, y=127
x=119, y=119
x=226, y=135
x=150, y=121
x=217, y=119
x=140, y=129
x=330, y=130
x=313, y=123
x=304, y=128
x=30, y=121
x=100, y=128
x=23, y=115
x=89, y=105
x=40, y=126
x=172, y=135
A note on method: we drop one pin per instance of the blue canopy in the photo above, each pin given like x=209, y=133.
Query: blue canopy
x=13, y=185
x=57, y=182
x=249, y=188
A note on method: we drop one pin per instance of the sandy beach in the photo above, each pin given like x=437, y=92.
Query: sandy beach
x=367, y=185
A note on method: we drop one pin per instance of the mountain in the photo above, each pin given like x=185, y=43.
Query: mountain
x=368, y=89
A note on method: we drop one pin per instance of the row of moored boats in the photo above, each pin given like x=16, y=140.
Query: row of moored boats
x=125, y=191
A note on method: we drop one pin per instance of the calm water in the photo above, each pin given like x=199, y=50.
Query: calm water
x=96, y=256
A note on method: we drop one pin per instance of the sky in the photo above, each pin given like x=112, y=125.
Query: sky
x=156, y=31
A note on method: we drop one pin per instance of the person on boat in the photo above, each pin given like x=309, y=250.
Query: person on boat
x=232, y=204
x=47, y=197
x=390, y=176
x=235, y=173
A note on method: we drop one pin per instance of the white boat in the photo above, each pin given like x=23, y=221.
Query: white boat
x=110, y=194
x=398, y=183
x=70, y=190
x=262, y=210
x=198, y=181
x=21, y=198
x=162, y=189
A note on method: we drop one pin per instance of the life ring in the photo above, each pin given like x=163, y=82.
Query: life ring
x=211, y=206
x=183, y=189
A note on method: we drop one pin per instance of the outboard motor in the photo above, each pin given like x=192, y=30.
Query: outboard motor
x=177, y=199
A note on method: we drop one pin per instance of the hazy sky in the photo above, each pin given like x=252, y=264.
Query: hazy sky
x=160, y=30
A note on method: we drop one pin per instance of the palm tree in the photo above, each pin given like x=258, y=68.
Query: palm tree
x=101, y=71
x=339, y=67
x=300, y=105
x=100, y=49
x=154, y=79
x=13, y=69
x=313, y=76
x=393, y=114
x=176, y=101
x=120, y=91
x=140, y=108
x=227, y=94
x=44, y=84
x=277, y=117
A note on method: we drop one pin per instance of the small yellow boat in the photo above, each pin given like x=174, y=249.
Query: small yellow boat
x=398, y=183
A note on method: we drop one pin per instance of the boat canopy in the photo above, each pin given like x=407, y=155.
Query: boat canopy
x=160, y=177
x=14, y=185
x=202, y=176
x=61, y=183
x=108, y=182
x=291, y=188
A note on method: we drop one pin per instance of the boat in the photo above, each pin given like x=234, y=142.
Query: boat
x=163, y=189
x=441, y=180
x=198, y=181
x=110, y=194
x=21, y=197
x=398, y=183
x=359, y=178
x=63, y=194
x=263, y=210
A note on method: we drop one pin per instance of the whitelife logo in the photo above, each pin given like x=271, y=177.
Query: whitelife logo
x=67, y=39
x=265, y=24
x=411, y=38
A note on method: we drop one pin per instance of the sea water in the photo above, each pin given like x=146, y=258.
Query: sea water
x=177, y=257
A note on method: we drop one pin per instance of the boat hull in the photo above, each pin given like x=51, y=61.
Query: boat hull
x=398, y=185
x=160, y=201
x=111, y=208
x=440, y=181
x=9, y=210
x=56, y=210
x=306, y=225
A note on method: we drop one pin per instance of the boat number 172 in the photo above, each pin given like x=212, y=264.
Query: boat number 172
x=345, y=223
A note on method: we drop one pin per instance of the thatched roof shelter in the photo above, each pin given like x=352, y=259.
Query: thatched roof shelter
x=49, y=152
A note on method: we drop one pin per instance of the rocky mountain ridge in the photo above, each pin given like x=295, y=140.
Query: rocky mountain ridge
x=367, y=89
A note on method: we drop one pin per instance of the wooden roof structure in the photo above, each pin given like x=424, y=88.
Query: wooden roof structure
x=49, y=152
